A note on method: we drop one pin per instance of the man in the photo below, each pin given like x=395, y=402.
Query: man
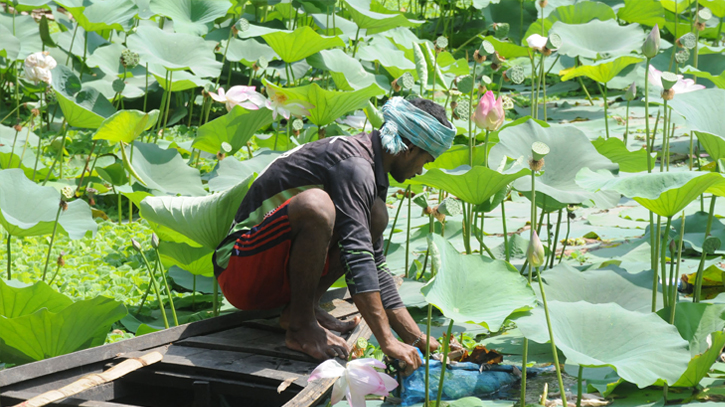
x=318, y=212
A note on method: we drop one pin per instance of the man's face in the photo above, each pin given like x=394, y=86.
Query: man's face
x=410, y=163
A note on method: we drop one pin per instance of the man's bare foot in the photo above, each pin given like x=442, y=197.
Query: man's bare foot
x=317, y=342
x=329, y=322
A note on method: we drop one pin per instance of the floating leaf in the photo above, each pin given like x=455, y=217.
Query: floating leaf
x=462, y=287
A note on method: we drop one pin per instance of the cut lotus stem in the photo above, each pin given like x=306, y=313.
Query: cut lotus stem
x=446, y=348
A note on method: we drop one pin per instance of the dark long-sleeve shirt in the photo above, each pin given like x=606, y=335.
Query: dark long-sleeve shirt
x=350, y=170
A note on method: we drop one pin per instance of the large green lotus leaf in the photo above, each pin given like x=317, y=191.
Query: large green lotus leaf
x=702, y=326
x=601, y=71
x=641, y=347
x=676, y=6
x=695, y=225
x=126, y=125
x=86, y=108
x=180, y=80
x=614, y=149
x=605, y=39
x=645, y=12
x=716, y=6
x=10, y=47
x=28, y=209
x=108, y=59
x=664, y=193
x=230, y=170
x=202, y=220
x=347, y=72
x=718, y=80
x=378, y=20
x=388, y=56
x=342, y=27
x=473, y=185
x=331, y=105
x=462, y=287
x=26, y=32
x=30, y=5
x=235, y=128
x=195, y=260
x=571, y=151
x=102, y=15
x=632, y=292
x=248, y=51
x=578, y=13
x=508, y=50
x=45, y=334
x=165, y=170
x=193, y=17
x=16, y=302
x=456, y=156
x=175, y=51
x=703, y=110
x=300, y=44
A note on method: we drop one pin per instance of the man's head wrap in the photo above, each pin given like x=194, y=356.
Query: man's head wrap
x=403, y=119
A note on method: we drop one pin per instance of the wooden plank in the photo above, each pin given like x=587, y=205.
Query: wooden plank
x=341, y=309
x=319, y=389
x=12, y=397
x=60, y=363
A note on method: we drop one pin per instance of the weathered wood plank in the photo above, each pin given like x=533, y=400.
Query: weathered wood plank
x=60, y=363
x=13, y=397
x=341, y=309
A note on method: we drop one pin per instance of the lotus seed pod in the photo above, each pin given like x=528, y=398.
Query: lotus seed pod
x=118, y=85
x=682, y=56
x=129, y=59
x=462, y=108
x=651, y=45
x=395, y=85
x=478, y=57
x=421, y=200
x=136, y=245
x=553, y=42
x=501, y=30
x=497, y=61
x=406, y=81
x=421, y=67
x=711, y=245
x=154, y=241
x=516, y=74
x=704, y=14
x=450, y=207
x=687, y=41
x=539, y=150
x=441, y=42
x=507, y=102
x=535, y=253
x=226, y=147
x=298, y=124
x=465, y=84
x=486, y=48
x=668, y=94
x=242, y=25
x=454, y=95
x=18, y=128
x=486, y=80
x=67, y=193
x=668, y=79
x=631, y=92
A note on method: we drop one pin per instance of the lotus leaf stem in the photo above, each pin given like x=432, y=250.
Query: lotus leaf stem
x=162, y=106
x=674, y=278
x=556, y=240
x=486, y=248
x=10, y=114
x=85, y=50
x=663, y=259
x=691, y=146
x=468, y=221
x=72, y=40
x=505, y=232
x=562, y=390
x=658, y=239
x=146, y=91
x=697, y=43
x=10, y=260
x=85, y=167
x=143, y=299
x=407, y=239
x=12, y=149
x=446, y=349
x=701, y=266
x=579, y=386
x=52, y=238
x=170, y=84
x=37, y=157
x=193, y=292
x=156, y=288
x=542, y=81
x=566, y=239
x=427, y=355
x=435, y=68
x=160, y=267
x=57, y=158
x=665, y=138
x=646, y=115
x=603, y=91
x=626, y=126
x=531, y=273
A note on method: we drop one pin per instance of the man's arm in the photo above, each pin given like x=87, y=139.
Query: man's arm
x=408, y=330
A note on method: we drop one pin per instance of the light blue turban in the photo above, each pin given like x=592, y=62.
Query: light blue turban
x=403, y=119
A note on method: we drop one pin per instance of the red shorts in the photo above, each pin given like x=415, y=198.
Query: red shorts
x=257, y=276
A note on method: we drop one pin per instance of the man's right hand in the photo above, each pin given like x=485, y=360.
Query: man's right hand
x=406, y=354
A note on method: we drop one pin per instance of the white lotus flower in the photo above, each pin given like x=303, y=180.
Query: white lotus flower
x=280, y=104
x=244, y=96
x=682, y=85
x=537, y=42
x=357, y=120
x=38, y=66
x=356, y=381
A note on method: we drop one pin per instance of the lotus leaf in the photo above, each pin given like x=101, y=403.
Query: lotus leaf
x=248, y=51
x=664, y=193
x=695, y=230
x=716, y=6
x=174, y=51
x=193, y=17
x=703, y=110
x=645, y=12
x=10, y=48
x=16, y=302
x=300, y=44
x=676, y=6
x=165, y=170
x=571, y=151
x=29, y=5
x=235, y=128
x=615, y=150
x=462, y=287
x=28, y=209
x=507, y=50
x=605, y=39
x=611, y=284
x=718, y=80
x=473, y=185
x=126, y=125
x=107, y=59
x=601, y=71
x=25, y=31
x=347, y=72
x=614, y=337
x=378, y=20
x=85, y=108
x=386, y=54
x=578, y=13
x=230, y=170
x=195, y=260
x=185, y=280
x=101, y=15
x=198, y=221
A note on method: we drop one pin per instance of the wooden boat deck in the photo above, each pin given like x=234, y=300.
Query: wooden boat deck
x=238, y=359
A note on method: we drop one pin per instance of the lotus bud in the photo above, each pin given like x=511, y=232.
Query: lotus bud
x=60, y=262
x=631, y=92
x=489, y=113
x=421, y=66
x=535, y=253
x=129, y=59
x=450, y=207
x=154, y=241
x=374, y=115
x=136, y=245
x=682, y=56
x=651, y=45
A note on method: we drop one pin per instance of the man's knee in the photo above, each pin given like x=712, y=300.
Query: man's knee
x=379, y=219
x=314, y=209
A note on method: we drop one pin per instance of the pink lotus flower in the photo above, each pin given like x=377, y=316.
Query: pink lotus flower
x=536, y=42
x=682, y=85
x=489, y=113
x=355, y=381
x=279, y=103
x=244, y=96
x=38, y=66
